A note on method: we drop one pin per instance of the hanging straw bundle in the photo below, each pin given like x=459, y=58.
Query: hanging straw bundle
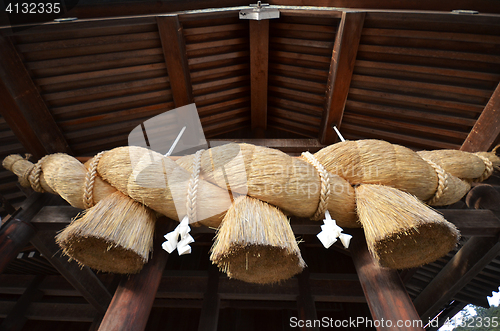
x=401, y=232
x=255, y=243
x=292, y=184
x=116, y=235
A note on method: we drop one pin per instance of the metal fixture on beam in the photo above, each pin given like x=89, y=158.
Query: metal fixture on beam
x=259, y=11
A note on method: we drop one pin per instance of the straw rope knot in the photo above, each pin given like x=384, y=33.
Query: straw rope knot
x=34, y=175
x=325, y=186
x=442, y=182
x=193, y=188
x=488, y=170
x=88, y=194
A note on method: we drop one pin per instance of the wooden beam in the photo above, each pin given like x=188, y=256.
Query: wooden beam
x=209, y=317
x=487, y=128
x=17, y=316
x=458, y=272
x=18, y=231
x=174, y=50
x=341, y=68
x=24, y=109
x=385, y=293
x=484, y=196
x=259, y=63
x=305, y=301
x=82, y=278
x=134, y=297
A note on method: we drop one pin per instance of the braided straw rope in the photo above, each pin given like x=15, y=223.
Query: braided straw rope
x=193, y=188
x=34, y=175
x=488, y=169
x=88, y=192
x=442, y=182
x=325, y=186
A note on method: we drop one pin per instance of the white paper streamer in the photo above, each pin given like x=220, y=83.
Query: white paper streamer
x=330, y=231
x=173, y=241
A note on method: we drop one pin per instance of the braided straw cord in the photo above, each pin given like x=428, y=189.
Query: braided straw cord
x=487, y=171
x=88, y=192
x=34, y=175
x=325, y=186
x=442, y=182
x=193, y=188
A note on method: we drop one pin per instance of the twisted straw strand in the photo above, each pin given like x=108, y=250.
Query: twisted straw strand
x=193, y=188
x=34, y=175
x=325, y=185
x=488, y=170
x=88, y=194
x=442, y=182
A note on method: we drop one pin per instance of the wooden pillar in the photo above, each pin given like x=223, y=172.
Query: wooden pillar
x=129, y=310
x=259, y=63
x=305, y=301
x=344, y=54
x=211, y=302
x=384, y=291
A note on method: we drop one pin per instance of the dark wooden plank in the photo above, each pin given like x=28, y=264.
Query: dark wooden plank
x=174, y=50
x=133, y=299
x=82, y=278
x=462, y=268
x=481, y=223
x=385, y=293
x=23, y=108
x=17, y=316
x=341, y=69
x=211, y=302
x=259, y=64
x=305, y=301
x=487, y=128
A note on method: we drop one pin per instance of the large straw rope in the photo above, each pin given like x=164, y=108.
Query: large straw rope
x=34, y=175
x=442, y=182
x=488, y=169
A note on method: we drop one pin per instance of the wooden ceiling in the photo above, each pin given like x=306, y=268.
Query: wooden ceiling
x=426, y=80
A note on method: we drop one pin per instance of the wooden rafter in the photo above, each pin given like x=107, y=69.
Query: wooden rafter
x=174, y=50
x=24, y=109
x=487, y=128
x=341, y=69
x=458, y=272
x=133, y=299
x=259, y=64
x=385, y=293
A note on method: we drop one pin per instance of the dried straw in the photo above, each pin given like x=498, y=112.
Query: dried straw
x=255, y=243
x=116, y=235
x=458, y=163
x=292, y=184
x=402, y=232
x=379, y=162
x=159, y=183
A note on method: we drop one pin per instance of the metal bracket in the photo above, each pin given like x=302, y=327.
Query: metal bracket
x=259, y=11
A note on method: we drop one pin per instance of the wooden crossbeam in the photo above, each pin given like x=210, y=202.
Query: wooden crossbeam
x=174, y=50
x=259, y=64
x=385, y=293
x=24, y=109
x=341, y=69
x=487, y=128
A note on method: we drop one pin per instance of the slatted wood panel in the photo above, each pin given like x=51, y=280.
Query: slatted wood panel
x=99, y=79
x=218, y=52
x=9, y=144
x=422, y=80
x=300, y=51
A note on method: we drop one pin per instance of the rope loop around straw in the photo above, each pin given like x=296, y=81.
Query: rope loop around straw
x=488, y=170
x=88, y=192
x=325, y=186
x=193, y=188
x=442, y=182
x=34, y=175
